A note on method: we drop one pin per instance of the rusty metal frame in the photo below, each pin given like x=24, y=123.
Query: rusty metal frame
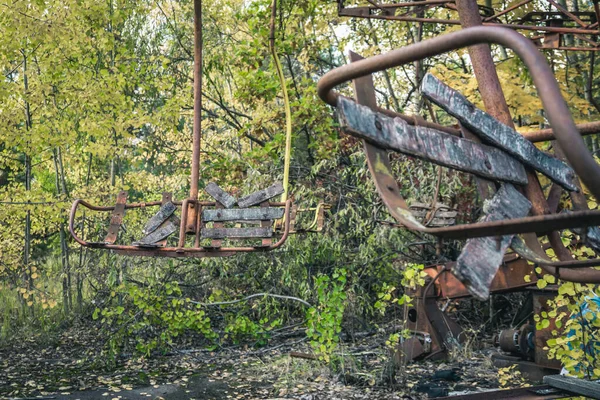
x=181, y=250
x=191, y=221
x=555, y=106
x=412, y=12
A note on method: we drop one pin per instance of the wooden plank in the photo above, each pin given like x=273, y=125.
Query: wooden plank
x=260, y=196
x=169, y=227
x=116, y=218
x=242, y=214
x=266, y=242
x=428, y=144
x=574, y=385
x=165, y=211
x=236, y=233
x=491, y=131
x=480, y=259
x=220, y=195
x=438, y=214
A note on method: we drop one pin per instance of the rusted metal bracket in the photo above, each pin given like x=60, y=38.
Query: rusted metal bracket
x=480, y=259
x=428, y=144
x=492, y=131
x=116, y=218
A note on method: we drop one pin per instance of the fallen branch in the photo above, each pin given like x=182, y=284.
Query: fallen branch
x=277, y=296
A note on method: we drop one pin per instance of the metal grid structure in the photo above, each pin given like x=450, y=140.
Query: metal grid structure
x=554, y=28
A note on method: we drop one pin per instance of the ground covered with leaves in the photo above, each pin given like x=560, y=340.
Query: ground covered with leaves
x=70, y=365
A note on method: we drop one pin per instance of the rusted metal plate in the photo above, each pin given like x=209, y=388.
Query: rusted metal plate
x=541, y=337
x=242, y=214
x=165, y=211
x=480, y=259
x=431, y=145
x=236, y=233
x=508, y=278
x=116, y=218
x=220, y=195
x=266, y=224
x=492, y=131
x=169, y=227
x=260, y=196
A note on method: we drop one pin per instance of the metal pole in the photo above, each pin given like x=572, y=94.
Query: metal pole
x=197, y=127
x=495, y=104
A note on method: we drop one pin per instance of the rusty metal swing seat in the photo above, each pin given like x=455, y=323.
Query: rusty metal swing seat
x=208, y=223
x=548, y=28
x=500, y=159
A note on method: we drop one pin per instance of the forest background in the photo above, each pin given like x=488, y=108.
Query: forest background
x=96, y=97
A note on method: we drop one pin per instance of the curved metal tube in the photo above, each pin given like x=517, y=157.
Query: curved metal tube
x=556, y=109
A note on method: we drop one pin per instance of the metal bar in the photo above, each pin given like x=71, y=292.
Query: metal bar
x=197, y=123
x=492, y=131
x=428, y=144
x=116, y=218
x=507, y=10
x=567, y=13
x=242, y=214
x=542, y=135
x=457, y=22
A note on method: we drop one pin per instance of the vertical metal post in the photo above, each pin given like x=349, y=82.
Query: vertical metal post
x=197, y=123
x=495, y=104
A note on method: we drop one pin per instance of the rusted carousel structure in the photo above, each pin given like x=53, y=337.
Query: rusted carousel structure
x=505, y=244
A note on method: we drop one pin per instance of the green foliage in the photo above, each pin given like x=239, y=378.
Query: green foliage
x=325, y=320
x=152, y=317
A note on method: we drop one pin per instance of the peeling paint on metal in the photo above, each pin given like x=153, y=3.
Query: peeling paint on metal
x=480, y=259
x=428, y=144
x=497, y=134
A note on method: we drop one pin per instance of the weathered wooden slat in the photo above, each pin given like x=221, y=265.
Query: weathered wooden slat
x=242, y=214
x=236, y=233
x=428, y=144
x=492, y=131
x=260, y=196
x=116, y=219
x=574, y=385
x=441, y=222
x=165, y=211
x=166, y=198
x=438, y=206
x=220, y=195
x=438, y=214
x=168, y=227
x=480, y=259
